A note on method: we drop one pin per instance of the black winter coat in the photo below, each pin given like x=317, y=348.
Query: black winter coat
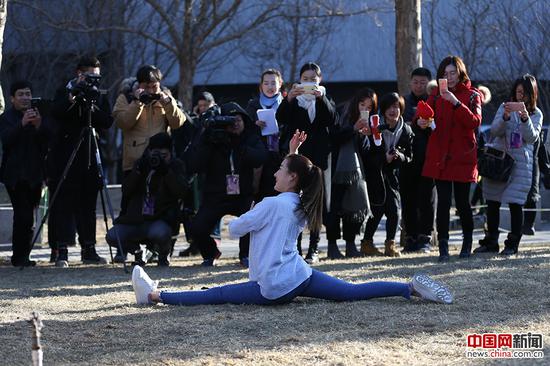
x=167, y=191
x=380, y=174
x=317, y=147
x=68, y=122
x=24, y=150
x=213, y=160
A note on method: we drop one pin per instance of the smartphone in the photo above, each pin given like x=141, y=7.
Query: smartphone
x=516, y=106
x=35, y=103
x=309, y=89
x=443, y=86
x=365, y=115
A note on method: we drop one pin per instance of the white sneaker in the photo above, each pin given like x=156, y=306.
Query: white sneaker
x=143, y=285
x=431, y=290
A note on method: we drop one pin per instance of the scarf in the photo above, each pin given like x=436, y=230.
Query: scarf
x=391, y=138
x=270, y=103
x=307, y=101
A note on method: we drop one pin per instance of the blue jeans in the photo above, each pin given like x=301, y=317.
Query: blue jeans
x=157, y=233
x=319, y=285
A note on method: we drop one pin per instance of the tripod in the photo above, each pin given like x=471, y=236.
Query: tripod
x=89, y=105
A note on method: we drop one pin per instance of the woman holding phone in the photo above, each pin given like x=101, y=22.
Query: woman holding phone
x=307, y=108
x=349, y=202
x=515, y=129
x=451, y=155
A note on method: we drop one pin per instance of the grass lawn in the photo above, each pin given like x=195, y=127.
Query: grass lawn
x=90, y=316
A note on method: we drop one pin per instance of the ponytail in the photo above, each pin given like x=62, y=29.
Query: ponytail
x=310, y=184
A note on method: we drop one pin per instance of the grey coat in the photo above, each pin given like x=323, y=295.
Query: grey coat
x=517, y=188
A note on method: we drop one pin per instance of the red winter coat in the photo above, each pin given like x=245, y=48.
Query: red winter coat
x=452, y=148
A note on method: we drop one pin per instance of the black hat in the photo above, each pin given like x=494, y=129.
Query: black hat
x=161, y=140
x=232, y=108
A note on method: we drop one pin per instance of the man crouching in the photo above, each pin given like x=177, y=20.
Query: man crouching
x=153, y=191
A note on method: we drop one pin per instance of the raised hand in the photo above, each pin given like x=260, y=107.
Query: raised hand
x=296, y=141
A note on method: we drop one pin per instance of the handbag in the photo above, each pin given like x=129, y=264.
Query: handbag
x=494, y=164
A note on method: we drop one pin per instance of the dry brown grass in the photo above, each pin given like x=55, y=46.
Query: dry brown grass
x=90, y=317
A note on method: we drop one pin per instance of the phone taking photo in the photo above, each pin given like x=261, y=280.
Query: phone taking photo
x=515, y=106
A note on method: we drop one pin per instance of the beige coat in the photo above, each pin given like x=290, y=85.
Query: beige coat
x=140, y=122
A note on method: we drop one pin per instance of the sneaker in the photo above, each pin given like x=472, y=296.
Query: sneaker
x=528, y=230
x=211, y=262
x=312, y=257
x=90, y=256
x=62, y=260
x=143, y=285
x=191, y=251
x=430, y=289
x=163, y=261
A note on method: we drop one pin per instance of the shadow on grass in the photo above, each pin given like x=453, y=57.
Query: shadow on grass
x=492, y=294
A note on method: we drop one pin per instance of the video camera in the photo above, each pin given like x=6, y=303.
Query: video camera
x=212, y=119
x=87, y=90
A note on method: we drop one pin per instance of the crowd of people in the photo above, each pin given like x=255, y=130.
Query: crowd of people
x=377, y=156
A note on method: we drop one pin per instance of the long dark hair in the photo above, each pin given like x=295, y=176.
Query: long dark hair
x=310, y=184
x=353, y=106
x=530, y=90
x=456, y=62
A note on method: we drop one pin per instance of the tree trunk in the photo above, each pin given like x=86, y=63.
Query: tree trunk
x=185, y=84
x=408, y=41
x=3, y=17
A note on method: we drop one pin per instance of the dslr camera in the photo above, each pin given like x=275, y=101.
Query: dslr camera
x=87, y=90
x=155, y=159
x=147, y=98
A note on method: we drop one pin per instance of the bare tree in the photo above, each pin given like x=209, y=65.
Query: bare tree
x=190, y=31
x=408, y=40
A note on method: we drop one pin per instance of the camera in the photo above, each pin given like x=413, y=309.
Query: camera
x=215, y=125
x=147, y=98
x=213, y=119
x=87, y=89
x=155, y=159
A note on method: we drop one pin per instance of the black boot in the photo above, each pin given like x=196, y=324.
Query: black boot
x=489, y=244
x=88, y=255
x=351, y=250
x=410, y=245
x=138, y=258
x=466, y=246
x=511, y=244
x=164, y=260
x=333, y=252
x=443, y=250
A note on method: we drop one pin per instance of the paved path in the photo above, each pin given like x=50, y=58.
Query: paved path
x=230, y=248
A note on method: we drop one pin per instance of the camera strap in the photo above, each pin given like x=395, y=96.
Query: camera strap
x=149, y=200
x=232, y=180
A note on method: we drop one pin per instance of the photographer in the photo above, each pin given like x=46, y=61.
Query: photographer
x=226, y=150
x=148, y=111
x=25, y=136
x=75, y=205
x=152, y=191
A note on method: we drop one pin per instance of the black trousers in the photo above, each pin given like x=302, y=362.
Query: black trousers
x=212, y=210
x=444, y=201
x=74, y=209
x=24, y=200
x=417, y=205
x=390, y=208
x=493, y=218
